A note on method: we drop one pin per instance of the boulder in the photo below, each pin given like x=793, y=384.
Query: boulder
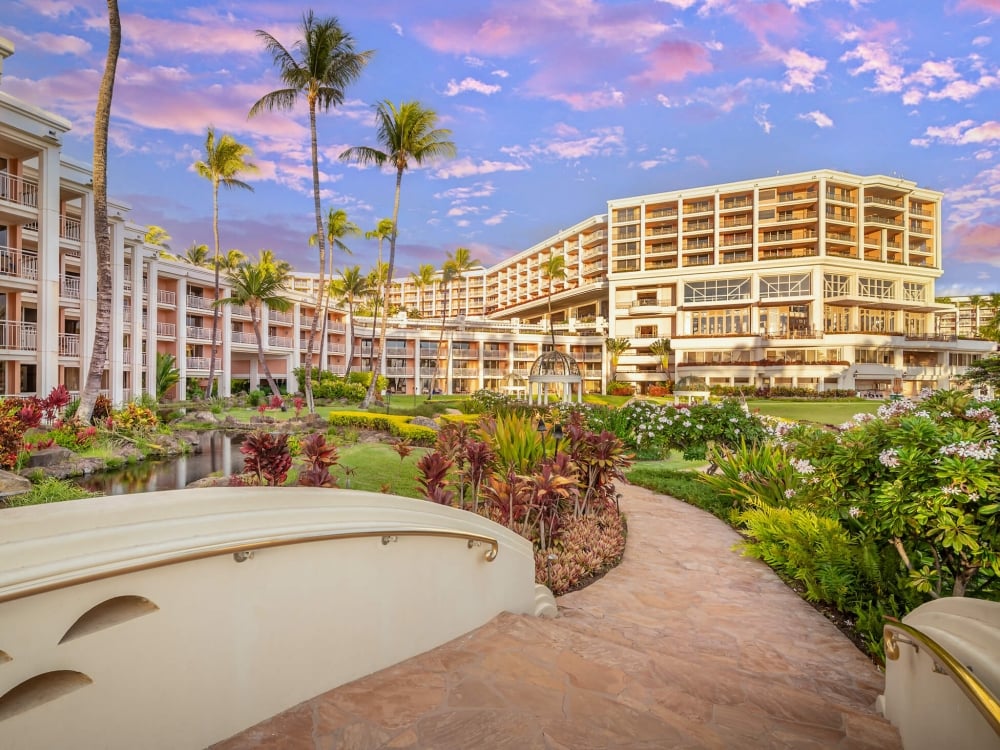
x=12, y=484
x=49, y=456
x=426, y=422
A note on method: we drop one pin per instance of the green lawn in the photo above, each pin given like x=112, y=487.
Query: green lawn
x=377, y=464
x=822, y=412
x=674, y=463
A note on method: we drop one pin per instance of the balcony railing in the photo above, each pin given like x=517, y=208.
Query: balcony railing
x=465, y=372
x=166, y=297
x=69, y=228
x=282, y=341
x=279, y=317
x=875, y=200
x=239, y=337
x=399, y=372
x=18, y=264
x=19, y=190
x=202, y=363
x=69, y=287
x=199, y=303
x=166, y=329
x=17, y=336
x=201, y=333
x=69, y=344
x=241, y=310
x=393, y=351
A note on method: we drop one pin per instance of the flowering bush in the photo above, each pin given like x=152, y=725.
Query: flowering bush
x=653, y=429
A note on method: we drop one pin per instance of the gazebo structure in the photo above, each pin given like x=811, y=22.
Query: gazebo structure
x=559, y=370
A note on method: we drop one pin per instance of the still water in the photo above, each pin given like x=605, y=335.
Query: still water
x=220, y=453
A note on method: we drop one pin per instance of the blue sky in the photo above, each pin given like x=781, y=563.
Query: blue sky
x=556, y=106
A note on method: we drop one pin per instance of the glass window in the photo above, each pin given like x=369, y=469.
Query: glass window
x=876, y=288
x=717, y=290
x=785, y=285
x=836, y=285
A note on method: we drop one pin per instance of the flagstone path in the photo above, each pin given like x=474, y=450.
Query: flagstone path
x=686, y=644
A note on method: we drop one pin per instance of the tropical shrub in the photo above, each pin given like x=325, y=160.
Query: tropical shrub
x=319, y=456
x=134, y=418
x=267, y=458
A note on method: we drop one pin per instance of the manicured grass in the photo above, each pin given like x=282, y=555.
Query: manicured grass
x=597, y=398
x=822, y=412
x=376, y=465
x=676, y=462
x=683, y=485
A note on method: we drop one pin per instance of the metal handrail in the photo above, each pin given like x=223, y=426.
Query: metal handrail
x=980, y=696
x=242, y=551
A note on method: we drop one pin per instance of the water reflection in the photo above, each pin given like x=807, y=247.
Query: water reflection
x=220, y=454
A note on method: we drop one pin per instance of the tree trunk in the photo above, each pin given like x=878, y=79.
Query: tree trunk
x=102, y=230
x=215, y=312
x=385, y=295
x=260, y=352
x=320, y=241
x=350, y=337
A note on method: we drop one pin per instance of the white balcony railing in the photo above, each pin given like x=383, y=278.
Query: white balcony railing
x=202, y=363
x=199, y=303
x=69, y=286
x=19, y=264
x=19, y=190
x=16, y=336
x=166, y=329
x=282, y=341
x=69, y=344
x=279, y=317
x=239, y=337
x=201, y=333
x=166, y=297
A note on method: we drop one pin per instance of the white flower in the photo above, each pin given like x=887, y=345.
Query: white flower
x=802, y=466
x=789, y=494
x=889, y=457
x=985, y=451
x=854, y=511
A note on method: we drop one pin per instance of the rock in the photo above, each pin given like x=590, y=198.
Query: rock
x=12, y=484
x=452, y=411
x=203, y=416
x=49, y=456
x=426, y=422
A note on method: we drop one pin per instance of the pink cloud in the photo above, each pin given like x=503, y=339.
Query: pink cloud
x=976, y=243
x=770, y=20
x=988, y=6
x=674, y=61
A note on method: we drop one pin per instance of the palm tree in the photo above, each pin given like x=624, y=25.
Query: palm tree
x=351, y=285
x=321, y=65
x=230, y=260
x=255, y=285
x=661, y=348
x=158, y=237
x=337, y=227
x=461, y=263
x=553, y=269
x=102, y=231
x=406, y=134
x=376, y=286
x=615, y=349
x=423, y=278
x=447, y=276
x=267, y=257
x=196, y=255
x=167, y=375
x=225, y=160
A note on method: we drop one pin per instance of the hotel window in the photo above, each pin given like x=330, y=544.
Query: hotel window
x=645, y=332
x=914, y=291
x=626, y=214
x=869, y=356
x=836, y=285
x=720, y=322
x=785, y=285
x=876, y=288
x=836, y=319
x=765, y=213
x=717, y=290
x=877, y=321
x=768, y=195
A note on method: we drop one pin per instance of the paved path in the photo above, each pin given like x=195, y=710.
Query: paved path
x=685, y=645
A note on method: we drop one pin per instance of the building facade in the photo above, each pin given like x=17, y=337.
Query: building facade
x=818, y=280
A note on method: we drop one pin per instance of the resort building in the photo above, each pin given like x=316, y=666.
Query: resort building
x=820, y=280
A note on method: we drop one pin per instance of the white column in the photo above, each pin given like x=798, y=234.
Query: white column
x=47, y=338
x=138, y=332
x=182, y=338
x=118, y=323
x=152, y=334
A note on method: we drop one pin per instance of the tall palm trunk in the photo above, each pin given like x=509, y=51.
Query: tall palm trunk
x=350, y=337
x=102, y=230
x=446, y=304
x=255, y=320
x=216, y=311
x=310, y=346
x=385, y=293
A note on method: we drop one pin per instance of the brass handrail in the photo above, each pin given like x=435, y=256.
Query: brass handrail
x=980, y=696
x=242, y=551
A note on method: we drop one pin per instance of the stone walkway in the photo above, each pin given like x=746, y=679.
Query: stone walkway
x=685, y=645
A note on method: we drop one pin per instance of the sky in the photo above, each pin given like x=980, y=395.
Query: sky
x=555, y=107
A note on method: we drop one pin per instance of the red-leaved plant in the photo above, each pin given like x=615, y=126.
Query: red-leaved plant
x=433, y=479
x=267, y=457
x=319, y=456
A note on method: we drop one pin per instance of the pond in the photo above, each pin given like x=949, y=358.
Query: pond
x=219, y=453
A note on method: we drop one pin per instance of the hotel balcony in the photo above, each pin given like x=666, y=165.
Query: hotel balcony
x=241, y=311
x=240, y=337
x=279, y=317
x=69, y=345
x=199, y=303
x=166, y=297
x=874, y=200
x=465, y=372
x=18, y=264
x=69, y=287
x=284, y=342
x=166, y=330
x=399, y=372
x=201, y=333
x=201, y=363
x=794, y=196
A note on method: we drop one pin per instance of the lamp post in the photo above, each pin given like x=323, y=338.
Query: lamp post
x=557, y=434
